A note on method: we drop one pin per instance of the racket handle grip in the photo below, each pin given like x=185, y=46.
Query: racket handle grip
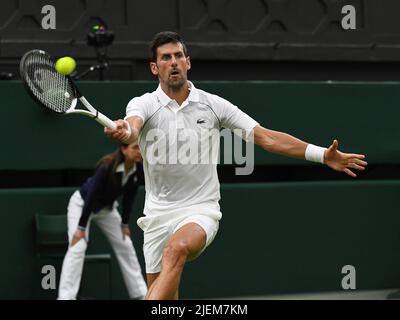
x=105, y=121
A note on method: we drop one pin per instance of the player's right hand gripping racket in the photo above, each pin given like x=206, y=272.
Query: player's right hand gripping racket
x=54, y=90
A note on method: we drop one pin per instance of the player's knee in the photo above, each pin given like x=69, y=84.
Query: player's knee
x=176, y=252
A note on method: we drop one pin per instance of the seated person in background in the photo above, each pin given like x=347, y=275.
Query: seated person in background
x=116, y=174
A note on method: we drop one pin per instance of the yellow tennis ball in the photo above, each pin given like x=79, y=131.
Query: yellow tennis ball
x=65, y=65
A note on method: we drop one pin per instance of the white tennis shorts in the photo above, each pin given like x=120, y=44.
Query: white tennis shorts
x=159, y=229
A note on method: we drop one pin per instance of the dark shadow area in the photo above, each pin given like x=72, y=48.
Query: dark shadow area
x=227, y=174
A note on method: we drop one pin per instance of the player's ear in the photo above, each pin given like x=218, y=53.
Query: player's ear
x=189, y=64
x=154, y=68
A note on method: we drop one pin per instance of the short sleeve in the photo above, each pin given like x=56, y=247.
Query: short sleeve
x=139, y=106
x=233, y=118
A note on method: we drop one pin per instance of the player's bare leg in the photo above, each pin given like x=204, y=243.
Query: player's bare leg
x=187, y=242
x=151, y=277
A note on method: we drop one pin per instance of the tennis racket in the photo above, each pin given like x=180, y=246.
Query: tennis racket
x=54, y=90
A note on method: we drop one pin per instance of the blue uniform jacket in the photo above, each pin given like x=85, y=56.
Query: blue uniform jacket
x=100, y=191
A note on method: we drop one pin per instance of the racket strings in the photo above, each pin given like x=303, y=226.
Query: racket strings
x=46, y=84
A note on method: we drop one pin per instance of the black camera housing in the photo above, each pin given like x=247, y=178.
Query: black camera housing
x=99, y=37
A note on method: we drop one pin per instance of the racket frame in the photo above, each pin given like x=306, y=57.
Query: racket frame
x=90, y=112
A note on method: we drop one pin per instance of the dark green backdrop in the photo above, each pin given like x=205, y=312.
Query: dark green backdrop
x=363, y=116
x=274, y=237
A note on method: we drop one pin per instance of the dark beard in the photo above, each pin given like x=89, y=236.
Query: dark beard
x=176, y=85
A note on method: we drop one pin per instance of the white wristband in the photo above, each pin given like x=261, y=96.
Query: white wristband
x=315, y=153
x=129, y=130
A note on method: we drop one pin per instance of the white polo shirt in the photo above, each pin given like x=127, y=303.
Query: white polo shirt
x=176, y=183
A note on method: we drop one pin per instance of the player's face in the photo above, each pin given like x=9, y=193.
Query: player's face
x=171, y=66
x=132, y=153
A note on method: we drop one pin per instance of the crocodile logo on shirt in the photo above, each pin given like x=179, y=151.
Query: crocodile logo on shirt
x=201, y=121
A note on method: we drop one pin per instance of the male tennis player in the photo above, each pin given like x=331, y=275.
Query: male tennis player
x=181, y=211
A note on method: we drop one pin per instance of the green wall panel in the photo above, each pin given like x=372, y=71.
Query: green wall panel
x=273, y=238
x=362, y=116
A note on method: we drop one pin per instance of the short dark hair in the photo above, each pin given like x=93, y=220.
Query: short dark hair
x=162, y=38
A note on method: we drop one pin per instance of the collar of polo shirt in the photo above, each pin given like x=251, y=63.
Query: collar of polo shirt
x=165, y=100
x=121, y=168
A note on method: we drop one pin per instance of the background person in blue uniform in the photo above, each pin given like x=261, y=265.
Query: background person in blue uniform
x=116, y=174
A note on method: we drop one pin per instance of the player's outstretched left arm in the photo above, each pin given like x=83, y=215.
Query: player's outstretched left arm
x=287, y=145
